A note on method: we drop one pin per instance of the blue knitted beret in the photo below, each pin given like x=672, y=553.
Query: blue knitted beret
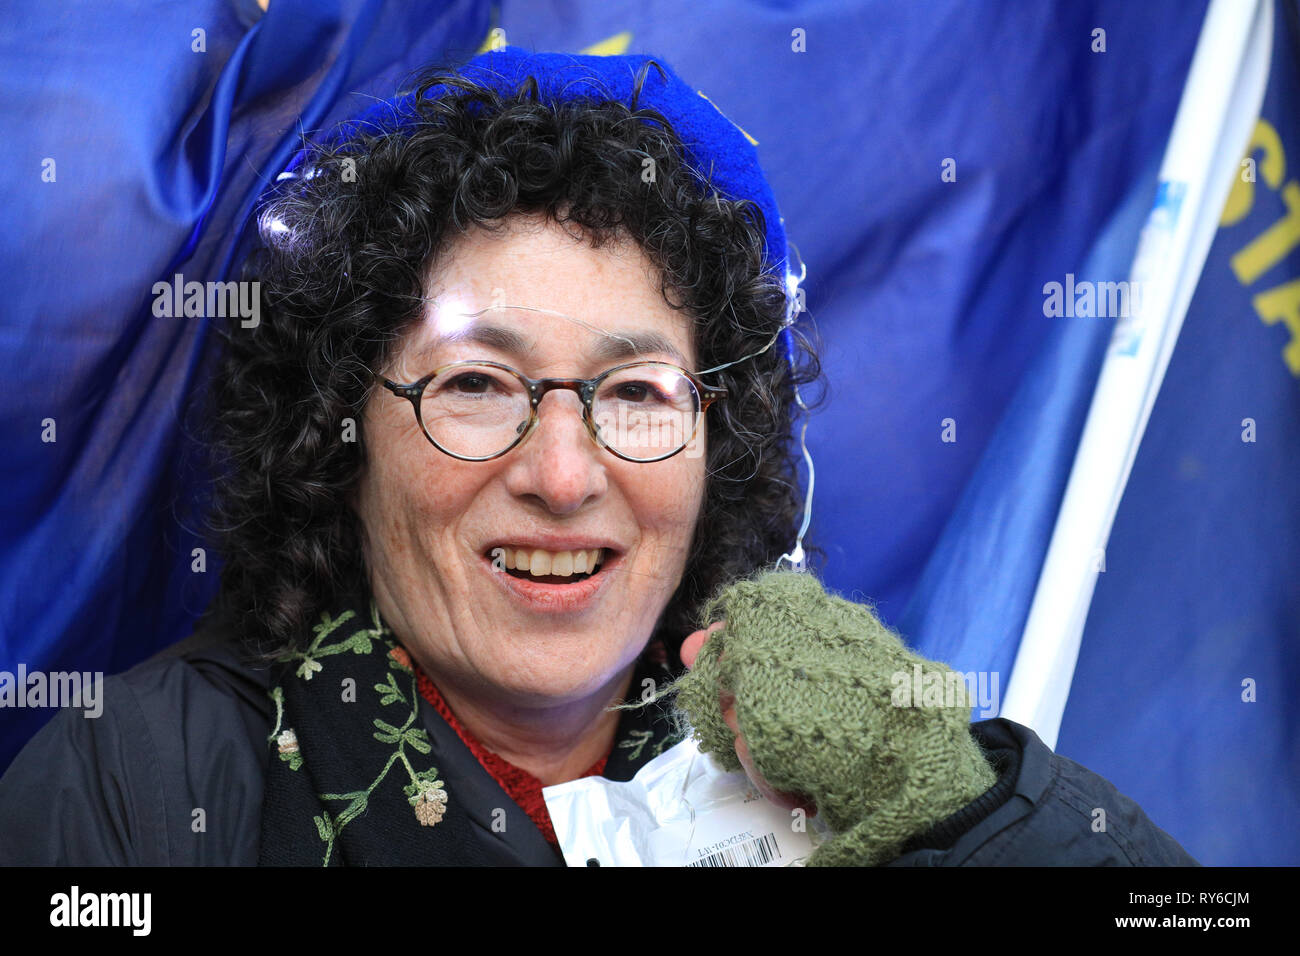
x=715, y=148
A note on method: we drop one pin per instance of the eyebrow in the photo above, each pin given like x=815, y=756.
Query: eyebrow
x=615, y=346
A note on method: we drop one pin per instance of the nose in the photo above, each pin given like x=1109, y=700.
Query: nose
x=558, y=466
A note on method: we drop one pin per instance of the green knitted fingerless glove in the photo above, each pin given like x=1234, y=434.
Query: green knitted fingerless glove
x=814, y=678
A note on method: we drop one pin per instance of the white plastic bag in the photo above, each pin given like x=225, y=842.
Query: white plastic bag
x=680, y=809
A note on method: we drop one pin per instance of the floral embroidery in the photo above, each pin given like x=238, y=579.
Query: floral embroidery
x=636, y=742
x=425, y=792
x=360, y=642
x=286, y=740
x=430, y=802
x=637, y=739
x=288, y=747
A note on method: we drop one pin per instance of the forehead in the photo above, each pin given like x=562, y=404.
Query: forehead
x=520, y=331
x=537, y=289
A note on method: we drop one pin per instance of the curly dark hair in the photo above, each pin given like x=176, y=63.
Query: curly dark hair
x=369, y=216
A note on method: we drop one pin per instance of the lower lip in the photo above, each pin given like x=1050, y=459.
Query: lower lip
x=554, y=598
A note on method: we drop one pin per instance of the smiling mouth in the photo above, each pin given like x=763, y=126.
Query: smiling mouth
x=548, y=567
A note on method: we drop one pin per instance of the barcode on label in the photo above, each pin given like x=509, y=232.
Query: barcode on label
x=753, y=853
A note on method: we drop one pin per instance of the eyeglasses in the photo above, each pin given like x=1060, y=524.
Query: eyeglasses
x=478, y=411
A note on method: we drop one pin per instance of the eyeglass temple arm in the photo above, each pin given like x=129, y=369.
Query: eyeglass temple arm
x=410, y=392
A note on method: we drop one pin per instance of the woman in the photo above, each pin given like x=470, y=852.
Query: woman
x=513, y=410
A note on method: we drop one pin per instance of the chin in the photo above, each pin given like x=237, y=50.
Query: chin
x=558, y=678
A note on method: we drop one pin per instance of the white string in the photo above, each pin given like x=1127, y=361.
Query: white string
x=796, y=557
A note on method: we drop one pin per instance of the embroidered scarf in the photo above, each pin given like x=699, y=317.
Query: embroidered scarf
x=354, y=775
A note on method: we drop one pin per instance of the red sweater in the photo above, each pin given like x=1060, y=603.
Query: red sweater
x=522, y=786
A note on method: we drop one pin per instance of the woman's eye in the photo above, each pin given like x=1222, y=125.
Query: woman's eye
x=635, y=392
x=470, y=383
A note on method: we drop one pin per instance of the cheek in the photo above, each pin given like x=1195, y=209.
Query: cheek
x=694, y=472
x=670, y=505
x=401, y=488
x=414, y=501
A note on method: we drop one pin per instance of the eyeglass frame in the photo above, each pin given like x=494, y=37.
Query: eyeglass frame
x=585, y=388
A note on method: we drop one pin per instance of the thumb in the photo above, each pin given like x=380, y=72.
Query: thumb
x=691, y=646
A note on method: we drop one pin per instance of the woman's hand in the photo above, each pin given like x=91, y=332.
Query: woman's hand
x=814, y=679
x=727, y=702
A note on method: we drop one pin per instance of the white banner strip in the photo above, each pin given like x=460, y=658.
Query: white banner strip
x=1220, y=104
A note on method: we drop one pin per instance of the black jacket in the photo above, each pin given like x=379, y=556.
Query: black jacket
x=1045, y=810
x=172, y=773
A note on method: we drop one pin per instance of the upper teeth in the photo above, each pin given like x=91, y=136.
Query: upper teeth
x=538, y=562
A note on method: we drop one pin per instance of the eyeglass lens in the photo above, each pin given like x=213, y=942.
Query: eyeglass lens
x=643, y=412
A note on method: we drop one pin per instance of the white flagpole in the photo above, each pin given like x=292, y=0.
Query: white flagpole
x=1219, y=107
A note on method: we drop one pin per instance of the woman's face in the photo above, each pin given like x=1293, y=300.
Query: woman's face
x=440, y=530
